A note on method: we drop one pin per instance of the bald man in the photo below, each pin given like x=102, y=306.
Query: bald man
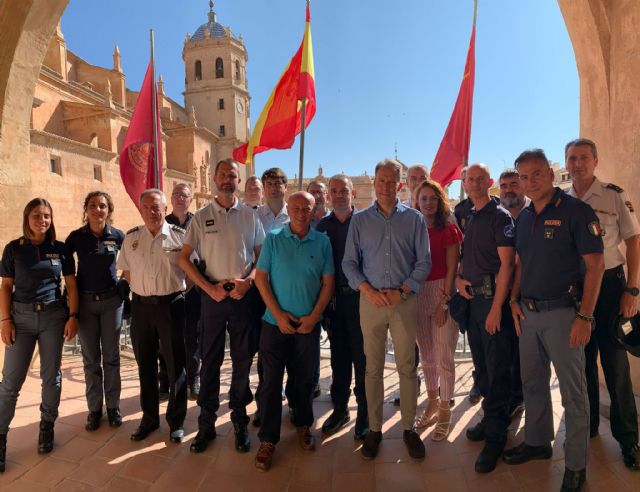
x=295, y=276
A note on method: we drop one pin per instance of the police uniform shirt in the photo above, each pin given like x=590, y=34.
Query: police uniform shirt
x=617, y=218
x=551, y=244
x=96, y=257
x=174, y=220
x=153, y=261
x=225, y=239
x=462, y=210
x=270, y=221
x=36, y=270
x=486, y=230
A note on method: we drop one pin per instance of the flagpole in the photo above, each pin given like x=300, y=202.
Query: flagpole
x=154, y=105
x=303, y=118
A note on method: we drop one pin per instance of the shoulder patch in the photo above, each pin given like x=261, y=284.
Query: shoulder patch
x=615, y=188
x=629, y=206
x=134, y=229
x=178, y=229
x=509, y=231
x=595, y=229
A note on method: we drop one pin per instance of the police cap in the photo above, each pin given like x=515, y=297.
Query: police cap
x=628, y=333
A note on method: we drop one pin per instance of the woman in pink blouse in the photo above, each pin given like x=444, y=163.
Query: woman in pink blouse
x=437, y=333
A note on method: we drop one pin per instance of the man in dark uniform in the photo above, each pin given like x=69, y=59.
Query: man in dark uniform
x=618, y=295
x=149, y=260
x=461, y=213
x=486, y=271
x=181, y=198
x=345, y=334
x=556, y=236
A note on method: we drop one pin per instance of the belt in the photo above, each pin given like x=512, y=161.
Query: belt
x=39, y=307
x=98, y=296
x=481, y=290
x=345, y=290
x=614, y=272
x=168, y=299
x=548, y=305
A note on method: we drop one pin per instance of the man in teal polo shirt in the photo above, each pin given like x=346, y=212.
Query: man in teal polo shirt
x=295, y=278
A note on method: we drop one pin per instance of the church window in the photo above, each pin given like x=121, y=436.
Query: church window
x=198, y=70
x=97, y=172
x=55, y=165
x=219, y=68
x=220, y=103
x=222, y=131
x=238, y=76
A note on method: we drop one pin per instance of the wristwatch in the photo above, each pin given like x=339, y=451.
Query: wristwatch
x=634, y=291
x=73, y=315
x=403, y=294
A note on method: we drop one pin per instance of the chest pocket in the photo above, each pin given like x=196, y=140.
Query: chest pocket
x=608, y=224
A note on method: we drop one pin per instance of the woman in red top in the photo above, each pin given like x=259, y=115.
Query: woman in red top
x=437, y=333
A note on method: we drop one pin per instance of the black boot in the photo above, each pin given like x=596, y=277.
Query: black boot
x=45, y=438
x=3, y=451
x=336, y=421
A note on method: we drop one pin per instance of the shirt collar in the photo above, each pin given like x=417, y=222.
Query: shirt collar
x=554, y=201
x=492, y=205
x=287, y=232
x=106, y=231
x=399, y=207
x=266, y=210
x=594, y=189
x=219, y=208
x=165, y=230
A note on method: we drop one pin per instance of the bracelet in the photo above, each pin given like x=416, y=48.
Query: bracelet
x=584, y=317
x=513, y=301
x=7, y=319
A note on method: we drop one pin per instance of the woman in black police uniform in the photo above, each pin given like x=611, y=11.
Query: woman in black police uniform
x=97, y=244
x=33, y=310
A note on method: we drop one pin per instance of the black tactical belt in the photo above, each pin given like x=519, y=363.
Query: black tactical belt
x=548, y=305
x=39, y=307
x=98, y=296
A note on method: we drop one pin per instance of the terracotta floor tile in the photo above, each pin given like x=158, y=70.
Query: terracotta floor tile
x=95, y=471
x=399, y=477
x=24, y=485
x=529, y=473
x=50, y=471
x=144, y=467
x=354, y=482
x=631, y=478
x=70, y=485
x=121, y=484
x=311, y=470
x=186, y=472
x=346, y=460
x=226, y=482
x=495, y=481
x=451, y=480
x=275, y=480
x=77, y=449
x=13, y=471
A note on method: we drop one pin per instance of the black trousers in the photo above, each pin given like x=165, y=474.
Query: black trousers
x=347, y=351
x=236, y=317
x=615, y=364
x=493, y=359
x=163, y=324
x=300, y=354
x=191, y=340
x=258, y=309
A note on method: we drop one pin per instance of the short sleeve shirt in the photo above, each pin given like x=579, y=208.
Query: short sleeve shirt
x=295, y=267
x=271, y=221
x=36, y=270
x=225, y=239
x=174, y=220
x=153, y=261
x=96, y=257
x=439, y=241
x=616, y=215
x=550, y=245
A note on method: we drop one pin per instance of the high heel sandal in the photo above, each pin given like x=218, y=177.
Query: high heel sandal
x=443, y=425
x=430, y=414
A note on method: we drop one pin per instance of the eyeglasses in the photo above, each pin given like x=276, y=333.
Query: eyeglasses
x=181, y=196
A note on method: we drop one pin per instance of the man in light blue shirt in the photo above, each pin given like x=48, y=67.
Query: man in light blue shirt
x=387, y=259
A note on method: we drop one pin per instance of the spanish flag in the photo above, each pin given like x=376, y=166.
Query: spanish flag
x=280, y=120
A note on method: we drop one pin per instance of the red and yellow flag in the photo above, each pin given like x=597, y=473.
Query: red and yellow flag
x=453, y=153
x=280, y=120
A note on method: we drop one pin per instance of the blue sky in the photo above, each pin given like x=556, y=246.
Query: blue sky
x=387, y=73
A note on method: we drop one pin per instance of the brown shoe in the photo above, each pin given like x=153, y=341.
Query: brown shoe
x=264, y=456
x=306, y=439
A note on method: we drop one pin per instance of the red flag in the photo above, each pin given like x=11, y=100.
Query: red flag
x=453, y=153
x=280, y=120
x=137, y=158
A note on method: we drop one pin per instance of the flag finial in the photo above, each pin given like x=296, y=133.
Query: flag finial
x=212, y=14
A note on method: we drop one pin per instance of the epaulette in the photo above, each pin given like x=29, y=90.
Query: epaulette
x=134, y=229
x=178, y=229
x=613, y=187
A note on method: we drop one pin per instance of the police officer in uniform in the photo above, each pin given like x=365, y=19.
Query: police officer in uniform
x=97, y=244
x=33, y=310
x=227, y=237
x=554, y=236
x=485, y=275
x=617, y=296
x=181, y=198
x=149, y=260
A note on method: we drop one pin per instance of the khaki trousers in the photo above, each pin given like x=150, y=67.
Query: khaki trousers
x=400, y=321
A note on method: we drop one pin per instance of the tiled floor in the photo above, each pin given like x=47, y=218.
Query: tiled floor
x=108, y=460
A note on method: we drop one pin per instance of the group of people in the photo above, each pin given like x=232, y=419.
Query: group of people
x=534, y=276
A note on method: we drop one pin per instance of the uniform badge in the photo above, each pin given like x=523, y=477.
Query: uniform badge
x=134, y=245
x=462, y=221
x=629, y=206
x=210, y=222
x=595, y=229
x=548, y=233
x=553, y=222
x=508, y=231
